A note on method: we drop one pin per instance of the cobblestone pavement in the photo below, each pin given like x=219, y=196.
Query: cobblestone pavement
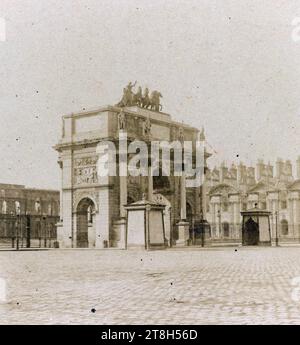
x=193, y=286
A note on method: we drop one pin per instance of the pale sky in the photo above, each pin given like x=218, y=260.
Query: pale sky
x=230, y=66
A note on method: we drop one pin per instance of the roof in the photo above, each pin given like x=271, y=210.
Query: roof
x=143, y=203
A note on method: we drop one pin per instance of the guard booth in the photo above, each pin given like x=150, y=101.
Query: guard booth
x=256, y=229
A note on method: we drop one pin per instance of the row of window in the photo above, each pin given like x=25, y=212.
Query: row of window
x=51, y=209
x=245, y=206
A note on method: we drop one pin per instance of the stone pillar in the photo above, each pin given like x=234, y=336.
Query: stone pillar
x=182, y=197
x=214, y=218
x=59, y=225
x=183, y=225
x=123, y=195
x=150, y=183
x=121, y=223
x=123, y=171
x=103, y=219
x=203, y=198
x=275, y=226
x=183, y=233
x=66, y=232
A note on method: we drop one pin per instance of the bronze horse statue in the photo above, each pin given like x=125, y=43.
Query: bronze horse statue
x=143, y=100
x=155, y=101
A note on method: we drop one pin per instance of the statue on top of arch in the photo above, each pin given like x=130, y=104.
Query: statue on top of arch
x=139, y=98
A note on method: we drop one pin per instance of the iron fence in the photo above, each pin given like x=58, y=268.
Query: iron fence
x=27, y=231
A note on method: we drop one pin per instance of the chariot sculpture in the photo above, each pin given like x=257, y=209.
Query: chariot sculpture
x=140, y=98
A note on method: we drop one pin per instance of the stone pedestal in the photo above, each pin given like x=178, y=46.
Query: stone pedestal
x=120, y=227
x=183, y=233
x=145, y=225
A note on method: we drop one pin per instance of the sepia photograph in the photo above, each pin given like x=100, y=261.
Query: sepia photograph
x=150, y=165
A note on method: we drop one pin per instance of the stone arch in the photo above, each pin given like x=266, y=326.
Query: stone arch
x=82, y=196
x=85, y=226
x=222, y=188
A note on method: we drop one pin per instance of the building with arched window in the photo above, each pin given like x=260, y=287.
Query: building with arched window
x=231, y=190
x=17, y=200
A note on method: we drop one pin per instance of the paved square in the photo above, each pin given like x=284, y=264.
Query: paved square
x=193, y=286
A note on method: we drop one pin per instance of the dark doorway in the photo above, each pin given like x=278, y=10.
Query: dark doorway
x=250, y=233
x=84, y=218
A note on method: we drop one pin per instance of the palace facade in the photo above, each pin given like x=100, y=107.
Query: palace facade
x=29, y=214
x=233, y=189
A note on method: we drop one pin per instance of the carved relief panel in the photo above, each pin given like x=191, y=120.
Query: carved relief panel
x=85, y=171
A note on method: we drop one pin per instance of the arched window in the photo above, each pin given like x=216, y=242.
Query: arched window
x=17, y=207
x=37, y=206
x=50, y=209
x=4, y=207
x=284, y=227
x=225, y=226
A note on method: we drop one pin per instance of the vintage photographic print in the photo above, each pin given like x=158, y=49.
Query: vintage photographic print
x=150, y=164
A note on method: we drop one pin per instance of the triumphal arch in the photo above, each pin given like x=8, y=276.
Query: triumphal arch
x=93, y=207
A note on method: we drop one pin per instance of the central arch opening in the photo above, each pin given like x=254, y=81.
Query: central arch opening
x=85, y=222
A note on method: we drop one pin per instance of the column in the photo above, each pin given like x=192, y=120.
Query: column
x=123, y=171
x=121, y=223
x=203, y=198
x=237, y=219
x=182, y=197
x=66, y=232
x=213, y=219
x=59, y=225
x=102, y=219
x=150, y=182
x=183, y=225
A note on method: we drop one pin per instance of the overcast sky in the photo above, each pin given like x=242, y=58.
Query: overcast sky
x=230, y=66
